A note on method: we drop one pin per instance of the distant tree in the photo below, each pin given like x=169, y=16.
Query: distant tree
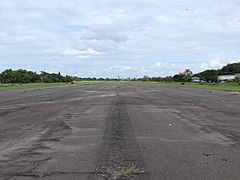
x=8, y=76
x=24, y=76
x=179, y=78
x=188, y=72
x=102, y=79
x=168, y=79
x=68, y=79
x=237, y=79
x=233, y=68
x=34, y=77
x=209, y=75
x=156, y=79
x=145, y=78
x=185, y=76
x=46, y=77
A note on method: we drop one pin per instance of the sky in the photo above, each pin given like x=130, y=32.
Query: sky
x=126, y=38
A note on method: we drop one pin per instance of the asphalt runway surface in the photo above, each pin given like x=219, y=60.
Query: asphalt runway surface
x=90, y=132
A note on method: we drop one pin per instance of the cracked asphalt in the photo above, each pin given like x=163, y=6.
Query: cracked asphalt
x=87, y=132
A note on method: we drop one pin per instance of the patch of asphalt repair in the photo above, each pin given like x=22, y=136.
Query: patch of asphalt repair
x=119, y=149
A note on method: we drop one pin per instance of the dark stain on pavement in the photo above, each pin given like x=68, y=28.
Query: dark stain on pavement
x=119, y=149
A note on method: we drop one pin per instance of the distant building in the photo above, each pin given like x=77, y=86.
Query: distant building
x=186, y=72
x=196, y=79
x=224, y=78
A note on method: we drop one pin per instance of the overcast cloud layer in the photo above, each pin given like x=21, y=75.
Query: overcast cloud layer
x=111, y=38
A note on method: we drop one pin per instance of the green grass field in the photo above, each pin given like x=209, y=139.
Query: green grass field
x=234, y=87
x=40, y=85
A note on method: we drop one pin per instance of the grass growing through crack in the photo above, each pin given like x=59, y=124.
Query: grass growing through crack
x=126, y=172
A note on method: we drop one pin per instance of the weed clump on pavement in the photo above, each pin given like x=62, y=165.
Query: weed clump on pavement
x=126, y=172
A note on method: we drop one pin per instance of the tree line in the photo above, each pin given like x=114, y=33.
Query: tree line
x=209, y=76
x=24, y=76
x=212, y=75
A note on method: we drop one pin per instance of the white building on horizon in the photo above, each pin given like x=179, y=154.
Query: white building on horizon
x=222, y=78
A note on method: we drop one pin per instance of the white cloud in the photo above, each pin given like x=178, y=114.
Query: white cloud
x=216, y=63
x=212, y=64
x=164, y=65
x=233, y=61
x=120, y=68
x=87, y=53
x=204, y=66
x=107, y=33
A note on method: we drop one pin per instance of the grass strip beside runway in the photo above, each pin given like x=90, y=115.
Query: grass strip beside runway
x=40, y=85
x=234, y=87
